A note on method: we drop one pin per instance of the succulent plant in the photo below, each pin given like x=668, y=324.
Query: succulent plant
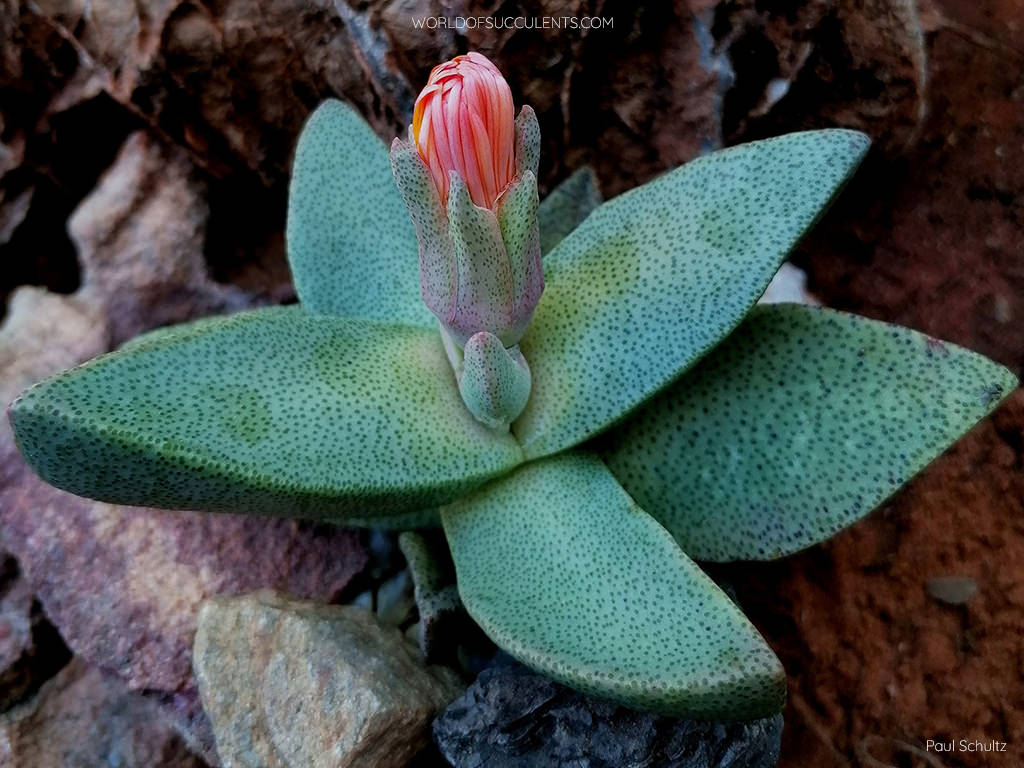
x=582, y=442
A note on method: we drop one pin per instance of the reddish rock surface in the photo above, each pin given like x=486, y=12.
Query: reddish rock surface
x=124, y=586
x=933, y=238
x=139, y=236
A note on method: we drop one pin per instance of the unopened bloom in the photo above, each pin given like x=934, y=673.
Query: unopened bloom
x=468, y=175
x=464, y=122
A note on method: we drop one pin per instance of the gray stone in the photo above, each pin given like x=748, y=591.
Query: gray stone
x=291, y=684
x=512, y=717
x=952, y=590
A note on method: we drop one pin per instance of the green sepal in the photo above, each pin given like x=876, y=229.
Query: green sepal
x=799, y=424
x=565, y=572
x=436, y=265
x=654, y=279
x=527, y=138
x=351, y=245
x=275, y=411
x=516, y=211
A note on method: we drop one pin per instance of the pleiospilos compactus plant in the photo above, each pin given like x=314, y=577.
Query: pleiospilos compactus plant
x=728, y=431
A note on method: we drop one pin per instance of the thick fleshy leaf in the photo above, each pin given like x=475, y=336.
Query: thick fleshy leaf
x=655, y=278
x=351, y=244
x=799, y=424
x=565, y=572
x=274, y=412
x=566, y=206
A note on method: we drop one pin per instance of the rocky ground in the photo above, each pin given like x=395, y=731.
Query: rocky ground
x=144, y=151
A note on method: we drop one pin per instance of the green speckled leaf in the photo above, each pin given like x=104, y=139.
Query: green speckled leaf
x=273, y=412
x=653, y=279
x=351, y=244
x=567, y=206
x=799, y=424
x=566, y=573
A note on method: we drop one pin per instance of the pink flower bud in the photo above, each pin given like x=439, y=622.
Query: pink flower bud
x=464, y=122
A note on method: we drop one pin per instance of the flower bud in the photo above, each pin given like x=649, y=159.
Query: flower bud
x=468, y=175
x=463, y=122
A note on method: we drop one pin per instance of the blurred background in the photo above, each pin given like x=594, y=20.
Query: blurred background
x=144, y=158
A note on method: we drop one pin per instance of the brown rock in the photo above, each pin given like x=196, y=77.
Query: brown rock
x=16, y=644
x=31, y=651
x=932, y=239
x=124, y=585
x=291, y=684
x=853, y=63
x=232, y=83
x=44, y=333
x=140, y=238
x=83, y=719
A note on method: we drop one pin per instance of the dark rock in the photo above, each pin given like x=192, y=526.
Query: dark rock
x=512, y=717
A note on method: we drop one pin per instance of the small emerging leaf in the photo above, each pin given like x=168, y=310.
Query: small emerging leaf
x=351, y=245
x=274, y=412
x=655, y=278
x=565, y=572
x=801, y=423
